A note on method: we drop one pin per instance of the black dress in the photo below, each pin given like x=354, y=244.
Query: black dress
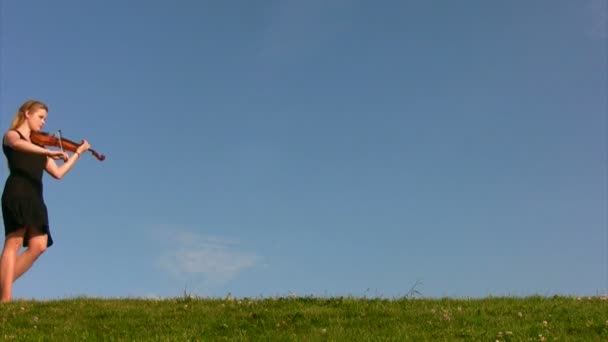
x=22, y=199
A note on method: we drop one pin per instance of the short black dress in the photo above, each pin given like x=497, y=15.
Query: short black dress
x=22, y=199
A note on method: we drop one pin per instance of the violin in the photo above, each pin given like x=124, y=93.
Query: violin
x=47, y=139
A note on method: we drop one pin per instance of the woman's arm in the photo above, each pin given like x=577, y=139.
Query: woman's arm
x=12, y=139
x=58, y=171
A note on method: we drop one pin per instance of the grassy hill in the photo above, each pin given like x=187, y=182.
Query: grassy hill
x=186, y=318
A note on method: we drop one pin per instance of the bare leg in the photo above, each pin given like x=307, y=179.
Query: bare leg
x=37, y=246
x=12, y=244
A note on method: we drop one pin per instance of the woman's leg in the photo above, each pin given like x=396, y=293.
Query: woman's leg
x=12, y=244
x=36, y=246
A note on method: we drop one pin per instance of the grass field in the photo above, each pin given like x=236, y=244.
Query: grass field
x=186, y=318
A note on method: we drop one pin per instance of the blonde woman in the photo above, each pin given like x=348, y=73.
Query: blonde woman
x=24, y=212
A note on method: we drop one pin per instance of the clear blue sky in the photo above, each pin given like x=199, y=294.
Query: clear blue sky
x=324, y=148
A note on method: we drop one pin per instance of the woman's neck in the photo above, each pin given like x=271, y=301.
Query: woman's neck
x=25, y=130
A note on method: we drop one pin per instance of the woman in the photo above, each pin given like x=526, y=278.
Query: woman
x=24, y=211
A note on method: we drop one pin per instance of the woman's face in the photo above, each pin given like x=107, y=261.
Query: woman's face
x=36, y=119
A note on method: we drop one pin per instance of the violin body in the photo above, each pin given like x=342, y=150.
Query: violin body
x=46, y=139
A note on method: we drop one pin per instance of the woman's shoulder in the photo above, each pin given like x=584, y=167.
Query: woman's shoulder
x=11, y=136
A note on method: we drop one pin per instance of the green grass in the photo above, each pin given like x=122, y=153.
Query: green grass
x=186, y=318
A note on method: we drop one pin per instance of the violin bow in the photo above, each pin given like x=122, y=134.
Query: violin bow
x=58, y=136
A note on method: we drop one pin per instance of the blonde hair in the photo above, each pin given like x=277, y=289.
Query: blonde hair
x=29, y=105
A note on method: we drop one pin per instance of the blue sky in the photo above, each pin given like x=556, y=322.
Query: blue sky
x=318, y=148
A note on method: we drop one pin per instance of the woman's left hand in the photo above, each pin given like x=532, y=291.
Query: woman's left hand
x=84, y=146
